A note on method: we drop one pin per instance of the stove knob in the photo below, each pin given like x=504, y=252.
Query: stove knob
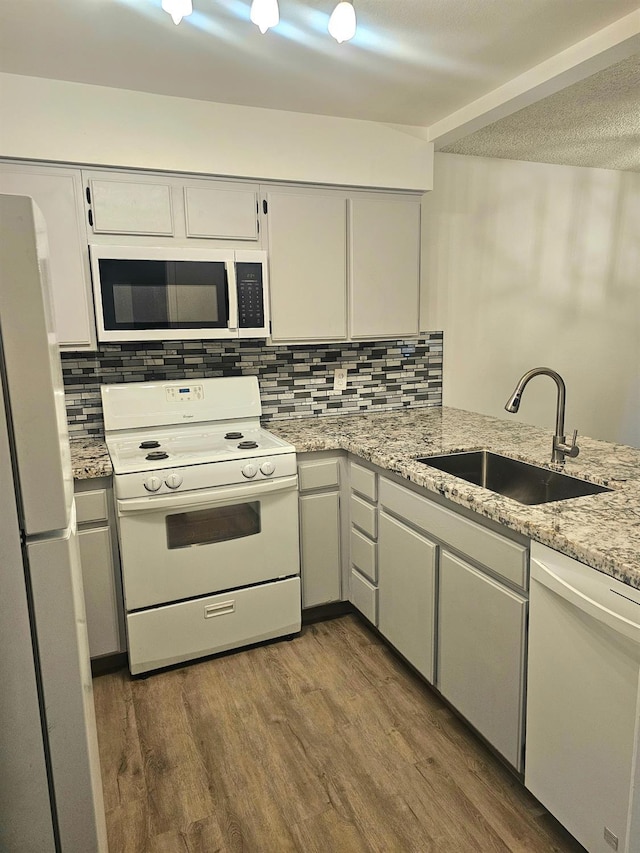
x=267, y=468
x=174, y=481
x=152, y=484
x=249, y=470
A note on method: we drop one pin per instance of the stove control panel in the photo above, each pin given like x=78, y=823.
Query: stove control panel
x=165, y=481
x=184, y=393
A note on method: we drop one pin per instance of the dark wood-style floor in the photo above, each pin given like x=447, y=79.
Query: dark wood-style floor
x=325, y=743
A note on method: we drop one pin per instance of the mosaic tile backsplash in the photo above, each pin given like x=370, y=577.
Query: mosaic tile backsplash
x=295, y=381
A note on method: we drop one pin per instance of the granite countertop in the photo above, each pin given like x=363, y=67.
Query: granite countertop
x=89, y=458
x=602, y=530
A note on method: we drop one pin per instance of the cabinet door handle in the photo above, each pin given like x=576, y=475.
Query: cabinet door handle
x=219, y=609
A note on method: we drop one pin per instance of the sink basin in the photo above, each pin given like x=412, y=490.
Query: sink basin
x=527, y=484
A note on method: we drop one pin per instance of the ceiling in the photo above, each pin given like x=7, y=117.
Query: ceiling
x=595, y=122
x=412, y=61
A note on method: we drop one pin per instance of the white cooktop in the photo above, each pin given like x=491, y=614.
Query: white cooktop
x=195, y=445
x=156, y=425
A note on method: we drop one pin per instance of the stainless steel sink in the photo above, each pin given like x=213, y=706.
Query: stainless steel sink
x=527, y=484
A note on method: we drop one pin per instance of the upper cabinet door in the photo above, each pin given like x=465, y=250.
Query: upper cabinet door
x=58, y=194
x=384, y=266
x=129, y=207
x=307, y=266
x=221, y=214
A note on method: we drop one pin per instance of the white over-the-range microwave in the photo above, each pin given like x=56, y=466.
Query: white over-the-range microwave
x=158, y=293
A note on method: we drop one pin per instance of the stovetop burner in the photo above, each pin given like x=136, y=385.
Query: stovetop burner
x=157, y=454
x=247, y=445
x=148, y=444
x=233, y=435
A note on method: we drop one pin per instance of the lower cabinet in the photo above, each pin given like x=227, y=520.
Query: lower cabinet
x=481, y=640
x=100, y=567
x=320, y=540
x=449, y=592
x=407, y=592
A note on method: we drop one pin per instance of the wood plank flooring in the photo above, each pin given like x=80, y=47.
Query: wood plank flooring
x=325, y=744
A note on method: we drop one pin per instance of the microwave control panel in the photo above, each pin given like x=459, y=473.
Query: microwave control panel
x=250, y=295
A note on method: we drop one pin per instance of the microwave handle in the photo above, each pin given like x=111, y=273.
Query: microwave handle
x=232, y=292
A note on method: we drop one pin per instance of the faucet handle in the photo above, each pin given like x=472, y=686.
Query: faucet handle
x=573, y=449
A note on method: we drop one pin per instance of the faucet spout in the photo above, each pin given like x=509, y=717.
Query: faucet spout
x=560, y=447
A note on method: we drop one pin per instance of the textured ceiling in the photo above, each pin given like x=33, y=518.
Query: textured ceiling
x=593, y=123
x=412, y=61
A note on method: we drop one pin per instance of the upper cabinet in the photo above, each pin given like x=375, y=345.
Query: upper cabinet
x=221, y=214
x=307, y=250
x=173, y=209
x=127, y=207
x=384, y=261
x=343, y=265
x=58, y=194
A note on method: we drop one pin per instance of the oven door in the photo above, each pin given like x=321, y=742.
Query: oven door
x=178, y=546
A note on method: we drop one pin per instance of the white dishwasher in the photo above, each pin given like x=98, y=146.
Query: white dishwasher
x=581, y=757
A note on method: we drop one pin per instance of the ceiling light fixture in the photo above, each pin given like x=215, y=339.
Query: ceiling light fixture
x=178, y=9
x=342, y=23
x=265, y=14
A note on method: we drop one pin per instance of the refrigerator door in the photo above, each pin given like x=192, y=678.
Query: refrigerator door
x=33, y=377
x=26, y=823
x=61, y=633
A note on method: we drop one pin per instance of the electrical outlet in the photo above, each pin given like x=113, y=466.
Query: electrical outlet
x=339, y=380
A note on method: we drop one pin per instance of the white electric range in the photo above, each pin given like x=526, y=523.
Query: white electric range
x=207, y=507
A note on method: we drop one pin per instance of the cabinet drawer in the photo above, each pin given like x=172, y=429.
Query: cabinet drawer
x=364, y=516
x=364, y=596
x=318, y=475
x=363, y=481
x=91, y=506
x=205, y=626
x=363, y=555
x=504, y=557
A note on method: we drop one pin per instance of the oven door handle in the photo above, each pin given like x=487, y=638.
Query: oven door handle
x=207, y=497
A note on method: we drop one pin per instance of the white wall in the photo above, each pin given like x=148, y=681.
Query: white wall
x=527, y=265
x=43, y=119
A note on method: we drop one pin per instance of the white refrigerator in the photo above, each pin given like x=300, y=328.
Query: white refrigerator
x=50, y=788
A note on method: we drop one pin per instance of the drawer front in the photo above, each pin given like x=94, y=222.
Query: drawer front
x=363, y=555
x=91, y=506
x=364, y=516
x=364, y=596
x=363, y=482
x=204, y=626
x=319, y=475
x=504, y=557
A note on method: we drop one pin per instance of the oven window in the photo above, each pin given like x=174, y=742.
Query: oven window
x=163, y=294
x=219, y=524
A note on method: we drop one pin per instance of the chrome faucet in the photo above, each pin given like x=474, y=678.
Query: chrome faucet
x=560, y=448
